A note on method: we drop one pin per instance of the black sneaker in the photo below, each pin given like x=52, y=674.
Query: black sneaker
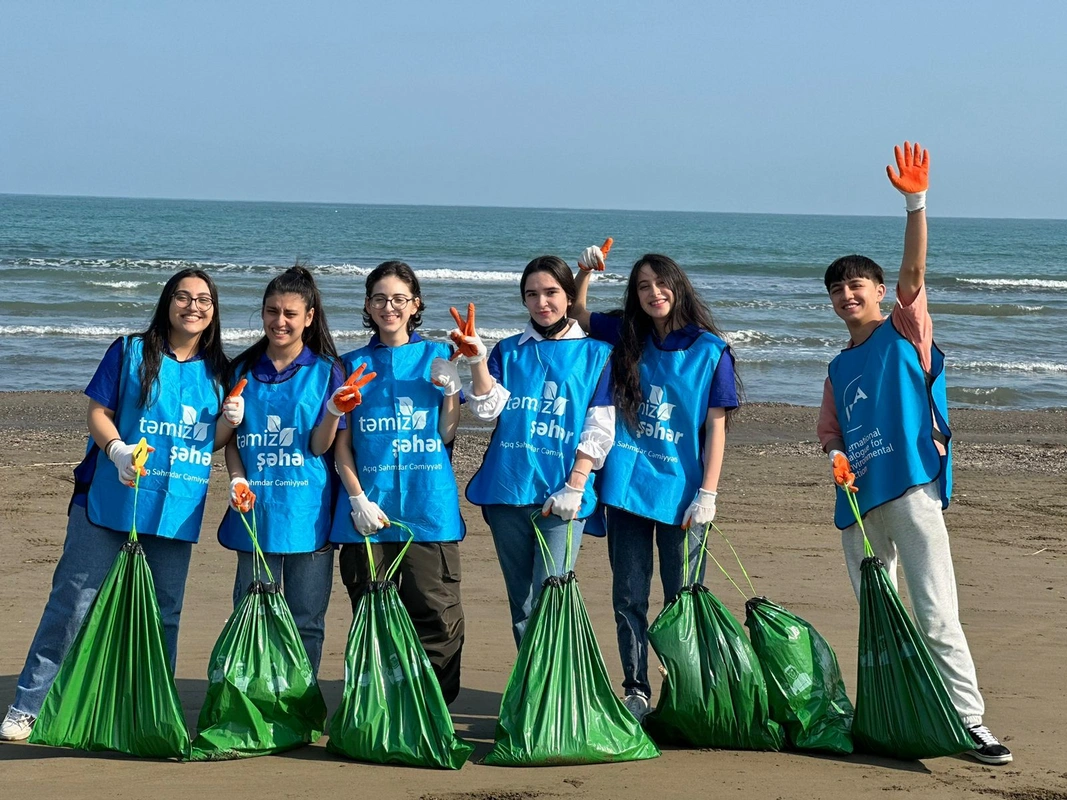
x=988, y=748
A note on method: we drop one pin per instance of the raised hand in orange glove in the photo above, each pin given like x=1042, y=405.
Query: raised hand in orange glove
x=233, y=407
x=843, y=474
x=468, y=343
x=913, y=164
x=242, y=498
x=348, y=395
x=592, y=258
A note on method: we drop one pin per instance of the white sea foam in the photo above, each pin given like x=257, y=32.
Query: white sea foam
x=1008, y=366
x=1032, y=283
x=88, y=331
x=119, y=284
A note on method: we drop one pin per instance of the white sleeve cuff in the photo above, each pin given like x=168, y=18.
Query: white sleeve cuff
x=598, y=434
x=486, y=407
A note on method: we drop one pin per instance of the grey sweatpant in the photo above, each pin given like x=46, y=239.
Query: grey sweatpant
x=911, y=529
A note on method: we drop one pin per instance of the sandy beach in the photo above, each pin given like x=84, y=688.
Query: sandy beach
x=775, y=502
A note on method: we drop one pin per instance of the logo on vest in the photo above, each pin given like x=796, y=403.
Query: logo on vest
x=657, y=416
x=407, y=420
x=551, y=404
x=189, y=429
x=275, y=445
x=858, y=396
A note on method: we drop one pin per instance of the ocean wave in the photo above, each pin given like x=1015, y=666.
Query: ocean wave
x=756, y=337
x=122, y=284
x=994, y=396
x=987, y=309
x=87, y=331
x=1008, y=366
x=1007, y=283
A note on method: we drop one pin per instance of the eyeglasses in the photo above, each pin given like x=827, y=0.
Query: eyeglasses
x=398, y=301
x=184, y=300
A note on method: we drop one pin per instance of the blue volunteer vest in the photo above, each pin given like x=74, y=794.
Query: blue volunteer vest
x=655, y=470
x=291, y=484
x=179, y=423
x=401, y=462
x=535, y=443
x=886, y=406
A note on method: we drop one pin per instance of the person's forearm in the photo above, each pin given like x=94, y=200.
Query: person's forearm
x=579, y=309
x=481, y=380
x=714, y=448
x=345, y=463
x=449, y=419
x=583, y=465
x=322, y=437
x=234, y=465
x=101, y=422
x=913, y=264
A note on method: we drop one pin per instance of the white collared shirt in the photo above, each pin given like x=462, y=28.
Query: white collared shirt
x=598, y=429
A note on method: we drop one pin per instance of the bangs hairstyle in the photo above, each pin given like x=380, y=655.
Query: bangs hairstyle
x=157, y=336
x=637, y=326
x=560, y=272
x=849, y=267
x=400, y=270
x=296, y=280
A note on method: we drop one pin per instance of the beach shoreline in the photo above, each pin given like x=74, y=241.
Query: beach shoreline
x=775, y=503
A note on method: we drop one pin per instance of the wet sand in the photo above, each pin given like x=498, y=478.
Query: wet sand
x=775, y=502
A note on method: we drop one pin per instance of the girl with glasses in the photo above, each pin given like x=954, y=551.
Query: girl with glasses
x=394, y=459
x=166, y=385
x=278, y=459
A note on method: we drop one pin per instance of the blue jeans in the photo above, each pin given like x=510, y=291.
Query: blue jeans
x=88, y=553
x=520, y=555
x=630, y=555
x=306, y=580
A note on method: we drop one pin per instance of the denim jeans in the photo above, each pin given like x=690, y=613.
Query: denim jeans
x=88, y=554
x=306, y=580
x=520, y=555
x=630, y=555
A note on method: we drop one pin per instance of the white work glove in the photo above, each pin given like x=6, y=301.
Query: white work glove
x=233, y=410
x=591, y=260
x=445, y=374
x=565, y=503
x=121, y=455
x=701, y=511
x=242, y=498
x=366, y=515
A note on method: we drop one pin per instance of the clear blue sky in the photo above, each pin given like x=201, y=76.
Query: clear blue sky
x=749, y=106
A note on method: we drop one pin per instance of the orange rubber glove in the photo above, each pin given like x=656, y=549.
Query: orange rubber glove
x=913, y=164
x=843, y=474
x=242, y=498
x=348, y=395
x=592, y=258
x=465, y=337
x=233, y=407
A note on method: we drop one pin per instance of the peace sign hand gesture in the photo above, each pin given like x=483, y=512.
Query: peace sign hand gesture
x=348, y=395
x=465, y=337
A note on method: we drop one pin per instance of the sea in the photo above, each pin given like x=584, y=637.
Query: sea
x=76, y=272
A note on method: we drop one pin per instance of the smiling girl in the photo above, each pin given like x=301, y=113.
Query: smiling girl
x=547, y=388
x=675, y=389
x=164, y=385
x=284, y=428
x=395, y=463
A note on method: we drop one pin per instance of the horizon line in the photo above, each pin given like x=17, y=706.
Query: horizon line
x=504, y=208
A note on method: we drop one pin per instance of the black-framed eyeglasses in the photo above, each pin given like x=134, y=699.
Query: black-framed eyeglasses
x=184, y=300
x=398, y=301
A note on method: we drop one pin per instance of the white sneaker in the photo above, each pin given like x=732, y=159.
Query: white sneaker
x=16, y=726
x=637, y=704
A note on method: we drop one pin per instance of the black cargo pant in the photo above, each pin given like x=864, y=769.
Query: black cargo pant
x=428, y=584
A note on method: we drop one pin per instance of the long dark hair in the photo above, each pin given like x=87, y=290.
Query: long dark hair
x=400, y=270
x=316, y=336
x=158, y=335
x=686, y=309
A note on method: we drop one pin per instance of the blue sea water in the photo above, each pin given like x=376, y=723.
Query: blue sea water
x=77, y=272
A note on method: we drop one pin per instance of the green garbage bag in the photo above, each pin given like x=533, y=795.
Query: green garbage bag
x=804, y=684
x=262, y=694
x=714, y=693
x=392, y=710
x=115, y=689
x=902, y=707
x=558, y=707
